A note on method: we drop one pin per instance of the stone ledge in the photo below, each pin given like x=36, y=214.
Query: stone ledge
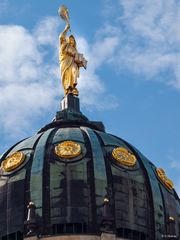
x=104, y=236
x=108, y=236
x=67, y=237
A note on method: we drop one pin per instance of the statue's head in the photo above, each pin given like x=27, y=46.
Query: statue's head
x=72, y=41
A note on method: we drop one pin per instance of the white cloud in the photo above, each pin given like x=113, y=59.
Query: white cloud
x=155, y=20
x=46, y=31
x=20, y=57
x=29, y=101
x=91, y=86
x=144, y=39
x=28, y=85
x=109, y=9
x=30, y=76
x=149, y=37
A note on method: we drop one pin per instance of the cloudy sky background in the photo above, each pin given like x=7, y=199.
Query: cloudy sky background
x=132, y=83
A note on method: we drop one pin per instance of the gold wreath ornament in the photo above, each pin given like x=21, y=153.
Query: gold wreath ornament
x=124, y=157
x=162, y=175
x=64, y=14
x=68, y=149
x=13, y=161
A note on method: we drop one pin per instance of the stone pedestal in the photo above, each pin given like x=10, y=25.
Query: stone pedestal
x=70, y=102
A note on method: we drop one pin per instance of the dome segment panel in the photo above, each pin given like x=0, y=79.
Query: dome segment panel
x=109, y=139
x=69, y=188
x=3, y=205
x=26, y=144
x=63, y=134
x=157, y=201
x=38, y=191
x=69, y=196
x=77, y=189
x=15, y=201
x=99, y=169
x=171, y=211
x=170, y=201
x=132, y=200
x=13, y=189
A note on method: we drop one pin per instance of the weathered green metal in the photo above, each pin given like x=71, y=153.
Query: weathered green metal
x=69, y=193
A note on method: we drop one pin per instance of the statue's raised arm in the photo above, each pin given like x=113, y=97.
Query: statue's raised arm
x=70, y=59
x=62, y=36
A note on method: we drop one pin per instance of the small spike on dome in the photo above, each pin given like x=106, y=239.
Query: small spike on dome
x=31, y=220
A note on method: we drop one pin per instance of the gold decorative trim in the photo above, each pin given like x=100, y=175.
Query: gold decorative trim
x=162, y=175
x=124, y=157
x=68, y=149
x=13, y=161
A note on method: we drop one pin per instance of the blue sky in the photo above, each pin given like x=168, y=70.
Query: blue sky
x=132, y=83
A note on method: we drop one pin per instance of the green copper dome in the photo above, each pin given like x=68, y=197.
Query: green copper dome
x=86, y=193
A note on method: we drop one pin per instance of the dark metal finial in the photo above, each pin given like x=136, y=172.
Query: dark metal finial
x=31, y=219
x=107, y=217
x=171, y=227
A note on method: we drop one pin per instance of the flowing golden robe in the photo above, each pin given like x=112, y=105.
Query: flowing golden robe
x=69, y=67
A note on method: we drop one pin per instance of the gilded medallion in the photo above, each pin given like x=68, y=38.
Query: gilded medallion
x=13, y=161
x=162, y=175
x=124, y=157
x=68, y=149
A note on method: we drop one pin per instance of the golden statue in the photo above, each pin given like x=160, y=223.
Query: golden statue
x=70, y=59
